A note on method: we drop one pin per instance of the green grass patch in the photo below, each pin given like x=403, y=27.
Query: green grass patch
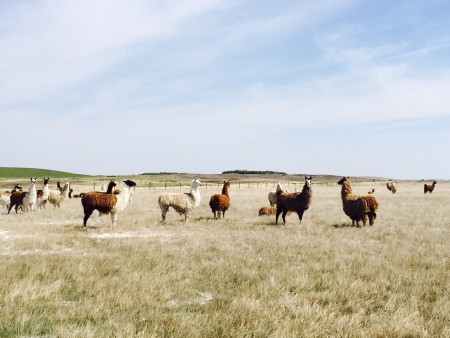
x=14, y=172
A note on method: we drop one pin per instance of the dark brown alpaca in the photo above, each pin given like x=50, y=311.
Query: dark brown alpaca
x=429, y=187
x=220, y=203
x=297, y=202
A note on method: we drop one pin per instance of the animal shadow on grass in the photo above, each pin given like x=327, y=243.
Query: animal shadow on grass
x=343, y=225
x=80, y=227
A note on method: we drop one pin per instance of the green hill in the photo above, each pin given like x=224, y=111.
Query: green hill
x=12, y=172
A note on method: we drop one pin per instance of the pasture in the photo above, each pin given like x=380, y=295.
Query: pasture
x=236, y=277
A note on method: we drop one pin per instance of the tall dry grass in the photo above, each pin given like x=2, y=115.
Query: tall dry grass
x=240, y=276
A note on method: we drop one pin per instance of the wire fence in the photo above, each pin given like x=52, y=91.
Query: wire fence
x=88, y=185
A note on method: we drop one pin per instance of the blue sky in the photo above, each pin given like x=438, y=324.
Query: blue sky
x=318, y=87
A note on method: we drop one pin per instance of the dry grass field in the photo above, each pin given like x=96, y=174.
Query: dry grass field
x=236, y=277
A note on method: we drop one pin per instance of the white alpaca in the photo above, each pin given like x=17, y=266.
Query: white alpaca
x=107, y=203
x=56, y=197
x=43, y=195
x=183, y=203
x=31, y=196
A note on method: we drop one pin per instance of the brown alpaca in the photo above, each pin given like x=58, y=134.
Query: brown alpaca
x=220, y=203
x=268, y=211
x=297, y=202
x=16, y=199
x=358, y=207
x=429, y=187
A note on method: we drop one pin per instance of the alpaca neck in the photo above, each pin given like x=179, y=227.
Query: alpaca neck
x=195, y=193
x=346, y=189
x=110, y=189
x=45, y=191
x=32, y=192
x=65, y=191
x=123, y=198
x=225, y=190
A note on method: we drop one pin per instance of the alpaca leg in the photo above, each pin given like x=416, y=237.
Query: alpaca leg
x=214, y=214
x=87, y=214
x=223, y=215
x=284, y=216
x=278, y=214
x=186, y=218
x=164, y=211
x=300, y=216
x=113, y=218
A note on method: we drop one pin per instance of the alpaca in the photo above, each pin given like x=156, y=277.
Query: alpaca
x=273, y=196
x=182, y=203
x=220, y=203
x=107, y=202
x=56, y=197
x=391, y=187
x=42, y=195
x=429, y=187
x=269, y=211
x=297, y=201
x=5, y=197
x=371, y=191
x=24, y=199
x=358, y=207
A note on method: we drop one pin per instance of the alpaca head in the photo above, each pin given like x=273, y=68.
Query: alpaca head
x=434, y=182
x=33, y=181
x=130, y=183
x=46, y=180
x=343, y=180
x=308, y=181
x=17, y=187
x=195, y=183
x=279, y=187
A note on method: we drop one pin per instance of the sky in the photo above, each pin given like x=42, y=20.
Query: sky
x=112, y=87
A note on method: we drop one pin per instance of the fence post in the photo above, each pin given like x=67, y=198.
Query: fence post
x=239, y=185
x=165, y=185
x=180, y=185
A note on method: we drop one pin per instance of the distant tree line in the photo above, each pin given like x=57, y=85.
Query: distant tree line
x=254, y=172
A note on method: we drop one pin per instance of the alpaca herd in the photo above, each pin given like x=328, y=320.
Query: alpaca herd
x=357, y=207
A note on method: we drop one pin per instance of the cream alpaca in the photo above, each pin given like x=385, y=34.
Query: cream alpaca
x=56, y=197
x=182, y=203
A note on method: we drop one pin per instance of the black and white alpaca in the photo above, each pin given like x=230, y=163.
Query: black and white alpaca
x=42, y=195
